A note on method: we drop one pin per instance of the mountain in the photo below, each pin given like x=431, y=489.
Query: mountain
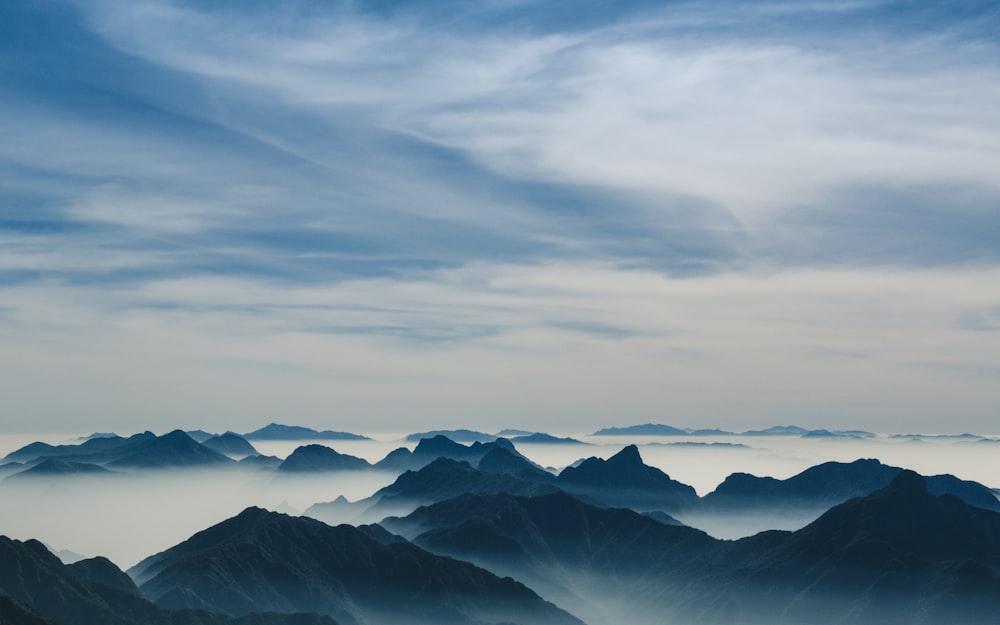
x=174, y=449
x=141, y=451
x=624, y=480
x=262, y=560
x=507, y=433
x=830, y=483
x=200, y=435
x=539, y=437
x=321, y=458
x=278, y=432
x=898, y=555
x=502, y=460
x=464, y=436
x=553, y=542
x=53, y=466
x=230, y=444
x=440, y=446
x=37, y=589
x=777, y=430
x=648, y=429
x=442, y=479
x=101, y=447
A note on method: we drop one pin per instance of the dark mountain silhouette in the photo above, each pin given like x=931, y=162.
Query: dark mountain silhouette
x=200, y=435
x=553, y=542
x=53, y=466
x=321, y=458
x=442, y=479
x=263, y=560
x=174, y=449
x=899, y=555
x=502, y=460
x=230, y=444
x=97, y=448
x=260, y=462
x=36, y=588
x=647, y=429
x=464, y=436
x=830, y=483
x=278, y=432
x=143, y=451
x=440, y=446
x=624, y=480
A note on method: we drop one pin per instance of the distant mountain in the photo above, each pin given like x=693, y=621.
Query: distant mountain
x=263, y=560
x=101, y=448
x=260, y=462
x=278, y=432
x=321, y=458
x=624, y=480
x=442, y=479
x=830, y=483
x=440, y=446
x=230, y=444
x=200, y=435
x=461, y=436
x=777, y=430
x=174, y=449
x=503, y=460
x=97, y=435
x=53, y=466
x=648, y=429
x=837, y=434
x=548, y=439
x=37, y=589
x=512, y=432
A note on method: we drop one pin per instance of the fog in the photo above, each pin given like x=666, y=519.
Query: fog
x=127, y=517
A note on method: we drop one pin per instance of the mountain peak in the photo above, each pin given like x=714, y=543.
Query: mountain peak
x=909, y=482
x=629, y=455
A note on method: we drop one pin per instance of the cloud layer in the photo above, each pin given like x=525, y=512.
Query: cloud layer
x=547, y=212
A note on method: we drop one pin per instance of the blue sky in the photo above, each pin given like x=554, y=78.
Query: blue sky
x=554, y=215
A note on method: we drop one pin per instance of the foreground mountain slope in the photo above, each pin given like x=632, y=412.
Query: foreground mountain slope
x=36, y=587
x=899, y=555
x=262, y=560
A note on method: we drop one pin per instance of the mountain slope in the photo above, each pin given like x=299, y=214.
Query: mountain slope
x=263, y=560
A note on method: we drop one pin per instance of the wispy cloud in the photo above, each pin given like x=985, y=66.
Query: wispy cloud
x=687, y=205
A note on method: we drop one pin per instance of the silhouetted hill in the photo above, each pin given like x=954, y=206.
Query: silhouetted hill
x=230, y=444
x=899, y=555
x=440, y=446
x=261, y=462
x=278, y=432
x=502, y=460
x=36, y=588
x=831, y=483
x=321, y=458
x=647, y=429
x=53, y=466
x=548, y=439
x=174, y=449
x=263, y=560
x=464, y=436
x=553, y=542
x=624, y=480
x=97, y=448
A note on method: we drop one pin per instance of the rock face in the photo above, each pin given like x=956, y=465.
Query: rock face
x=265, y=561
x=37, y=589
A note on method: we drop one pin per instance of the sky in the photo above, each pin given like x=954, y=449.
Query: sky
x=553, y=215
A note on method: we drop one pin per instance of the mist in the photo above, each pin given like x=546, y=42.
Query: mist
x=127, y=517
